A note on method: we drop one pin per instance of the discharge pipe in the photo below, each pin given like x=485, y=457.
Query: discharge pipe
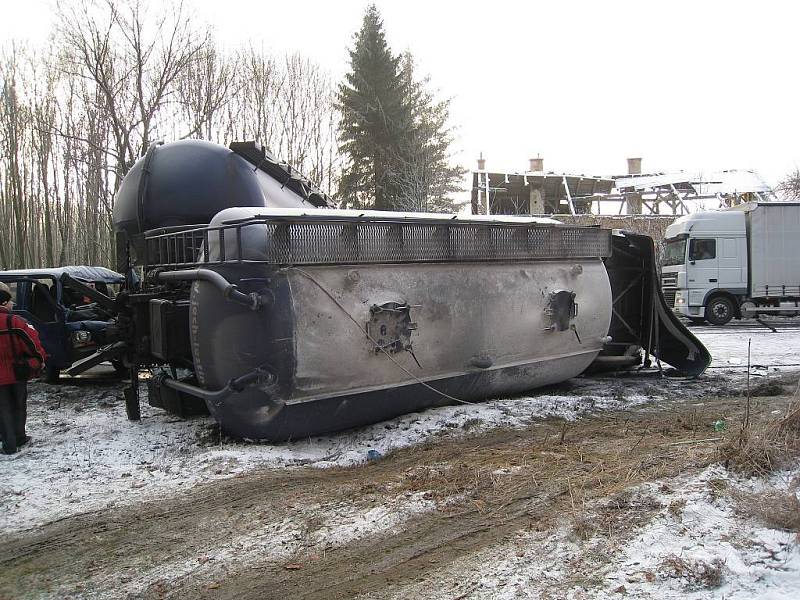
x=230, y=291
x=256, y=376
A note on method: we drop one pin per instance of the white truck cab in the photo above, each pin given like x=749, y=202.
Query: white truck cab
x=737, y=262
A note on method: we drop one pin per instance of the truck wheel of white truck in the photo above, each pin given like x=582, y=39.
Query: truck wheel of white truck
x=719, y=310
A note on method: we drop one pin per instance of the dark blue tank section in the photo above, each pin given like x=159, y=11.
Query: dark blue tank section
x=184, y=183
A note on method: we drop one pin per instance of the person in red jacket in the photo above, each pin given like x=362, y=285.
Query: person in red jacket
x=21, y=357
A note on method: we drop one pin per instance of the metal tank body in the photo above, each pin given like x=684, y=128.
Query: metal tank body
x=290, y=318
x=456, y=331
x=189, y=181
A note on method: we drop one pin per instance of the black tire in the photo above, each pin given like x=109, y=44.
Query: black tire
x=720, y=310
x=51, y=374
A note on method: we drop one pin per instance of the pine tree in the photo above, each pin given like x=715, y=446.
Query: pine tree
x=375, y=118
x=424, y=177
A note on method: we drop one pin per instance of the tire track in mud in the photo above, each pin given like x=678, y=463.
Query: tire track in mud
x=557, y=468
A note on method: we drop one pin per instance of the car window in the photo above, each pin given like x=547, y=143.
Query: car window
x=700, y=249
x=42, y=302
x=107, y=289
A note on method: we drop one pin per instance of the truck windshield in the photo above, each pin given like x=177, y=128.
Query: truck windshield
x=674, y=252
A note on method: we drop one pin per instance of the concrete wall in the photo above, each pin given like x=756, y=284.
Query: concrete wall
x=652, y=225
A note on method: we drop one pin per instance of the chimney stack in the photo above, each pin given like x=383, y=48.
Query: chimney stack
x=634, y=166
x=481, y=163
x=536, y=165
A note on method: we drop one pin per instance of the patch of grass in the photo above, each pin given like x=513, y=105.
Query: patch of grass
x=773, y=508
x=698, y=574
x=717, y=488
x=767, y=389
x=471, y=424
x=620, y=513
x=764, y=447
x=584, y=527
x=690, y=420
x=676, y=508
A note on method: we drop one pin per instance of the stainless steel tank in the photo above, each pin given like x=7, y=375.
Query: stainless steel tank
x=248, y=292
x=374, y=334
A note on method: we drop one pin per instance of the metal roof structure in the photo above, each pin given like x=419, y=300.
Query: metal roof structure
x=684, y=191
x=676, y=193
x=519, y=193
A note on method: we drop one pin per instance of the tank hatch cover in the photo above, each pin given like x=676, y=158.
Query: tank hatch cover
x=389, y=327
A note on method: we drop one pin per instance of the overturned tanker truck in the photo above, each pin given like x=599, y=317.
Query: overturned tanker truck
x=250, y=294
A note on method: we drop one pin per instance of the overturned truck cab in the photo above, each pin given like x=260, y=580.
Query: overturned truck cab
x=288, y=318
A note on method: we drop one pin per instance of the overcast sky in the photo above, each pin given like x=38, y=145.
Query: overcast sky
x=685, y=85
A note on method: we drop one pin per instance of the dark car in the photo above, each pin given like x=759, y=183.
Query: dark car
x=70, y=325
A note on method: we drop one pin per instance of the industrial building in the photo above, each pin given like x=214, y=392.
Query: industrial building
x=535, y=191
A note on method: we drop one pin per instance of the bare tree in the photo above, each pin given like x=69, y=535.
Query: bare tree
x=288, y=105
x=12, y=126
x=790, y=186
x=119, y=75
x=204, y=88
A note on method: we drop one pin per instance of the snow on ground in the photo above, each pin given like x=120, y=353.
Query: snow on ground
x=697, y=526
x=286, y=540
x=700, y=528
x=86, y=456
x=772, y=351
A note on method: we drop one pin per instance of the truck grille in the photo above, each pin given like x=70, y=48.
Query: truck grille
x=669, y=285
x=669, y=296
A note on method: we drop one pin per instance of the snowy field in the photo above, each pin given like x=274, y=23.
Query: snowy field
x=86, y=456
x=697, y=533
x=769, y=351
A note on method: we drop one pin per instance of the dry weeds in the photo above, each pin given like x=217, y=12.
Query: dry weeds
x=777, y=509
x=760, y=448
x=621, y=513
x=698, y=574
x=497, y=475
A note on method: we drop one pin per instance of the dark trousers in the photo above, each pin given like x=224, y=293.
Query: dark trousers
x=13, y=414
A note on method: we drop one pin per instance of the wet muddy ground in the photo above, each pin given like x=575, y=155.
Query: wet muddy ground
x=480, y=492
x=420, y=520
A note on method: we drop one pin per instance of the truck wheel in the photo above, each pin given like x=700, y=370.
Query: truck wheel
x=51, y=374
x=720, y=310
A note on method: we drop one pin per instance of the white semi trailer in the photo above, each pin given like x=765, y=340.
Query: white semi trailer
x=734, y=263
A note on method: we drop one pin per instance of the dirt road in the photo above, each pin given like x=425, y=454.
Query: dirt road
x=259, y=535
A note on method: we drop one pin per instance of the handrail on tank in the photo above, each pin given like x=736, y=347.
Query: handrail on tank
x=390, y=240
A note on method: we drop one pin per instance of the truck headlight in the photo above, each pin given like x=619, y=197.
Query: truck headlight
x=680, y=300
